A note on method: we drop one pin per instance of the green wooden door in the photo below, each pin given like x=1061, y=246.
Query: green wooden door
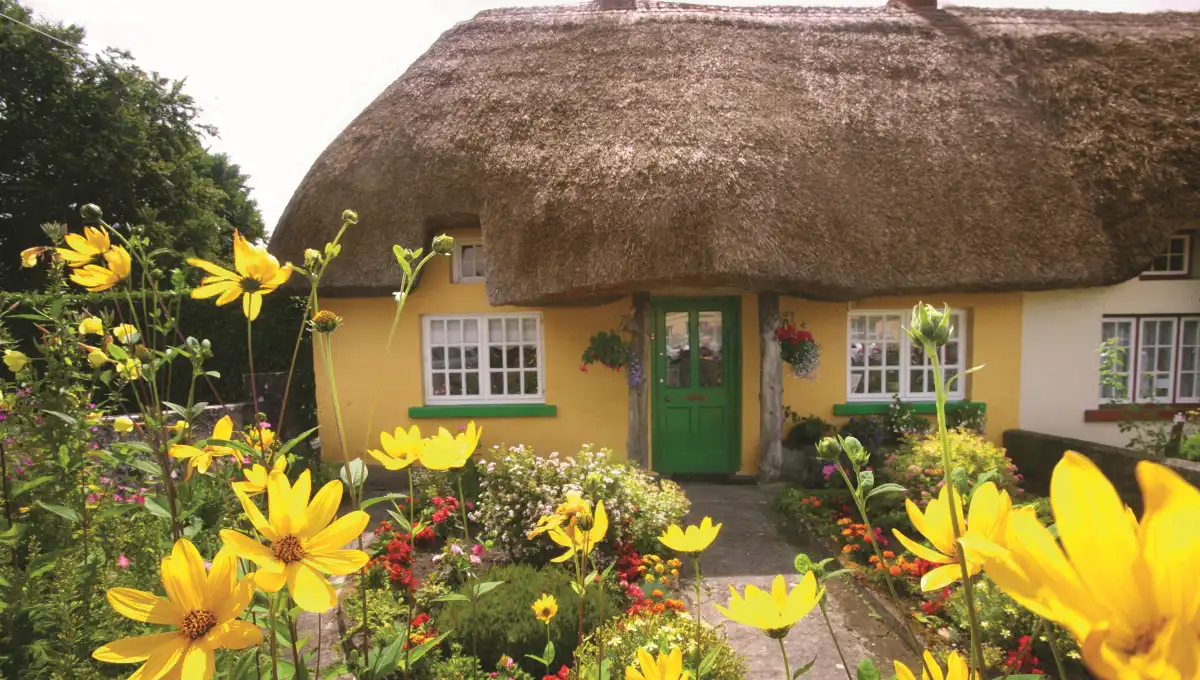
x=696, y=374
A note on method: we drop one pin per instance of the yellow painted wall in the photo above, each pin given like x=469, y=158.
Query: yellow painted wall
x=994, y=339
x=592, y=407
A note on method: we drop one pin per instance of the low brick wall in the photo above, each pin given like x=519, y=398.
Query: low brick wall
x=1035, y=454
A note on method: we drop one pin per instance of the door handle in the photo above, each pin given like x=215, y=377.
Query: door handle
x=667, y=398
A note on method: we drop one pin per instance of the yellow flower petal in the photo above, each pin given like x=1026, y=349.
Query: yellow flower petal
x=217, y=271
x=251, y=305
x=337, y=535
x=337, y=562
x=135, y=649
x=198, y=663
x=249, y=549
x=309, y=589
x=920, y=550
x=214, y=289
x=145, y=607
x=322, y=510
x=235, y=635
x=939, y=578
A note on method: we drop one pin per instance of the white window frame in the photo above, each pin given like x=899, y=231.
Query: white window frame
x=1186, y=240
x=1130, y=358
x=485, y=396
x=1134, y=365
x=457, y=259
x=959, y=391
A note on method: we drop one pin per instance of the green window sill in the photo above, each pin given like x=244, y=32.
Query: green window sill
x=874, y=408
x=484, y=411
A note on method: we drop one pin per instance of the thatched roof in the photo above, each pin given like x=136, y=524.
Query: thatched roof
x=832, y=153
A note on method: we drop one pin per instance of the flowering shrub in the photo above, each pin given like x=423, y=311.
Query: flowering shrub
x=517, y=488
x=917, y=465
x=654, y=629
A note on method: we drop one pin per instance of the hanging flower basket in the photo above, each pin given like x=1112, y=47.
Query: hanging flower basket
x=799, y=349
x=612, y=350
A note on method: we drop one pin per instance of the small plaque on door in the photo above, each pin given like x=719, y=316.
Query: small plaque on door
x=696, y=397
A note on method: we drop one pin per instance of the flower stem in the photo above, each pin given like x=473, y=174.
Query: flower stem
x=836, y=644
x=1024, y=651
x=412, y=602
x=787, y=669
x=387, y=348
x=462, y=505
x=1052, y=638
x=956, y=522
x=696, y=563
x=272, y=603
x=287, y=385
x=548, y=659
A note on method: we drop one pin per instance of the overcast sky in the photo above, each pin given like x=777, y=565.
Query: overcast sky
x=282, y=79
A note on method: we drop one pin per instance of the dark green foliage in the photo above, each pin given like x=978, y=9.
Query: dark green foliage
x=78, y=129
x=808, y=431
x=504, y=623
x=870, y=431
x=274, y=339
x=902, y=420
x=966, y=414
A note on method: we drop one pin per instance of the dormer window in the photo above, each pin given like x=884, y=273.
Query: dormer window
x=470, y=261
x=1176, y=261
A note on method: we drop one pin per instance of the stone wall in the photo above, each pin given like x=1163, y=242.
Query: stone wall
x=1035, y=455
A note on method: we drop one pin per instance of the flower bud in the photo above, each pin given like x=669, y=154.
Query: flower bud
x=855, y=450
x=55, y=231
x=804, y=564
x=325, y=321
x=91, y=213
x=930, y=326
x=828, y=448
x=443, y=244
x=349, y=217
x=311, y=257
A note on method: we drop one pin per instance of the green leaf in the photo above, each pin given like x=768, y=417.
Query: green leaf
x=180, y=411
x=126, y=447
x=452, y=597
x=64, y=417
x=886, y=489
x=379, y=499
x=157, y=507
x=117, y=352
x=576, y=588
x=808, y=667
x=958, y=477
x=836, y=574
x=62, y=511
x=291, y=443
x=709, y=661
x=538, y=659
x=148, y=466
x=421, y=650
x=957, y=376
x=400, y=520
x=22, y=488
x=486, y=587
x=12, y=535
x=45, y=562
x=866, y=481
x=867, y=670
x=548, y=653
x=335, y=671
x=238, y=446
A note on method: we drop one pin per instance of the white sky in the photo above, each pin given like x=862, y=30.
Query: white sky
x=281, y=80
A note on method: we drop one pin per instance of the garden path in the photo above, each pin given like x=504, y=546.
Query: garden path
x=750, y=550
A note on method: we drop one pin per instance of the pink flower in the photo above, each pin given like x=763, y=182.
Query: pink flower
x=123, y=561
x=477, y=550
x=828, y=471
x=475, y=559
x=456, y=549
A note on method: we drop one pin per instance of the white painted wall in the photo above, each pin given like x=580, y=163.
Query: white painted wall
x=1060, y=362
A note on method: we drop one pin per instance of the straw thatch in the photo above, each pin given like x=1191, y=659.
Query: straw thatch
x=832, y=153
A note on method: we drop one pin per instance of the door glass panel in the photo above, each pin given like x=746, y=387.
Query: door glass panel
x=712, y=362
x=678, y=350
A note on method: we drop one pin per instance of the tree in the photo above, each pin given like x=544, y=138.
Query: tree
x=78, y=129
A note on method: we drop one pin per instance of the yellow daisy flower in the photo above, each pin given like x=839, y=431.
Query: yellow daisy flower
x=96, y=278
x=1126, y=590
x=579, y=540
x=666, y=667
x=303, y=544
x=258, y=273
x=399, y=450
x=204, y=607
x=446, y=452
x=956, y=669
x=91, y=325
x=15, y=361
x=989, y=513
x=777, y=611
x=83, y=249
x=544, y=608
x=202, y=458
x=256, y=477
x=694, y=540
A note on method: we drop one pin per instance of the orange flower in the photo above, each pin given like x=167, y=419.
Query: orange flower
x=847, y=548
x=846, y=532
x=889, y=554
x=894, y=570
x=656, y=593
x=874, y=559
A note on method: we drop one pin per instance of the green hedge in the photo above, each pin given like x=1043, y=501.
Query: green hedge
x=225, y=327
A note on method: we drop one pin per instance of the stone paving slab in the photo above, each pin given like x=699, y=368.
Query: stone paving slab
x=751, y=551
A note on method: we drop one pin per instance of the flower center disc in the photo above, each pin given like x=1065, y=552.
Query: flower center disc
x=249, y=284
x=198, y=622
x=288, y=549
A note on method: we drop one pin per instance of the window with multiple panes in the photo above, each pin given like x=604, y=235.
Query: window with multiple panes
x=469, y=261
x=483, y=358
x=1177, y=258
x=884, y=362
x=1162, y=353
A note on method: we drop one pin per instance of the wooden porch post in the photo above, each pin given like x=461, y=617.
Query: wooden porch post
x=770, y=395
x=638, y=442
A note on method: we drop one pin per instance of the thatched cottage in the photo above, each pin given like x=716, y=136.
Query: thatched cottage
x=691, y=173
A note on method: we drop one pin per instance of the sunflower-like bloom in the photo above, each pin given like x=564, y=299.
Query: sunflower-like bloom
x=204, y=606
x=579, y=540
x=666, y=667
x=956, y=669
x=1126, y=590
x=446, y=452
x=96, y=278
x=258, y=273
x=573, y=509
x=256, y=477
x=302, y=542
x=776, y=612
x=260, y=437
x=202, y=458
x=694, y=540
x=544, y=608
x=987, y=518
x=399, y=450
x=83, y=249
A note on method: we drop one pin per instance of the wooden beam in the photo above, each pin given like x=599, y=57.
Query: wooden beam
x=638, y=442
x=770, y=395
